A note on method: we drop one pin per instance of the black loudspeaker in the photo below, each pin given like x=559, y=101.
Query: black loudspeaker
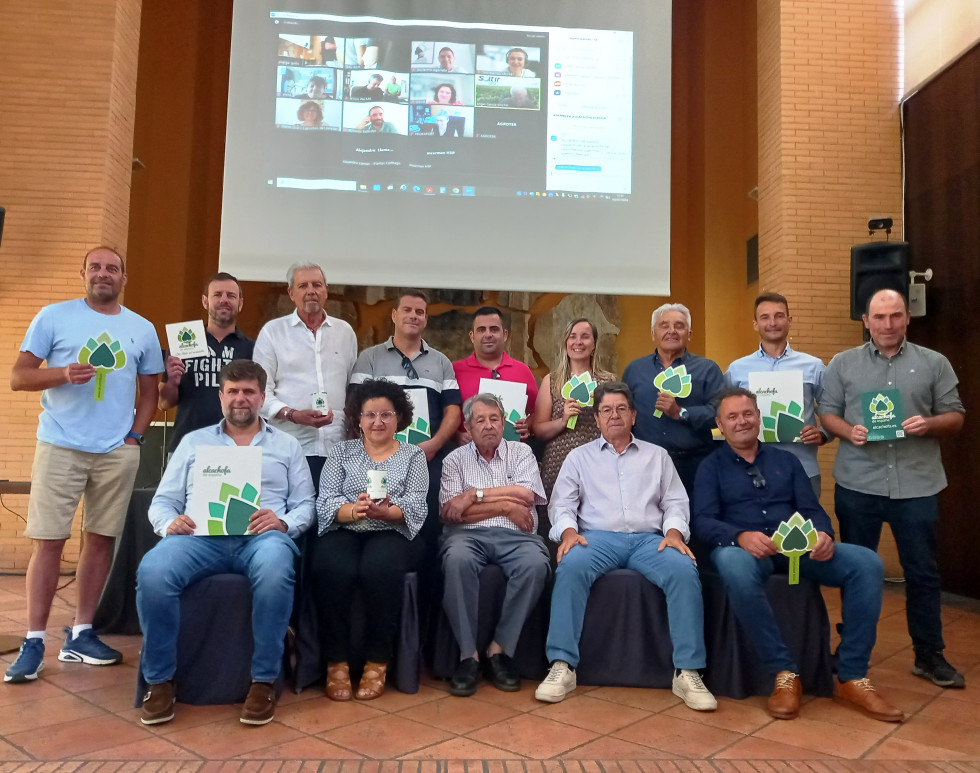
x=877, y=266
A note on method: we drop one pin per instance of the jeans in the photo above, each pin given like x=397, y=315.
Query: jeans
x=857, y=571
x=181, y=560
x=669, y=570
x=913, y=522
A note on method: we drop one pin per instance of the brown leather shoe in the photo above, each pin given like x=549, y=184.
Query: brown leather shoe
x=862, y=694
x=158, y=704
x=784, y=703
x=260, y=704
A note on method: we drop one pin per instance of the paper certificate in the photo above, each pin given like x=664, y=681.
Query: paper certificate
x=227, y=482
x=513, y=394
x=420, y=429
x=883, y=414
x=780, y=396
x=187, y=339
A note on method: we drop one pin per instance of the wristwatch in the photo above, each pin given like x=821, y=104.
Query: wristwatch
x=137, y=437
x=684, y=414
x=479, y=496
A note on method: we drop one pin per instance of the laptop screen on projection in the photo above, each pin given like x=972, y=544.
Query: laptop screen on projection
x=479, y=145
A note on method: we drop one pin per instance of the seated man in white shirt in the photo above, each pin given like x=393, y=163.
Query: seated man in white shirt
x=618, y=503
x=264, y=555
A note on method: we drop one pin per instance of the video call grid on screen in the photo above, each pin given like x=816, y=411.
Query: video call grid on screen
x=464, y=108
x=530, y=129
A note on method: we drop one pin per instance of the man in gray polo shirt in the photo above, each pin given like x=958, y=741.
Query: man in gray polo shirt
x=896, y=480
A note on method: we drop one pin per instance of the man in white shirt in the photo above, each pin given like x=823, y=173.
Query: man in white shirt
x=309, y=357
x=619, y=503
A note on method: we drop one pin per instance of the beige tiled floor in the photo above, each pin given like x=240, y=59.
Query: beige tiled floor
x=77, y=715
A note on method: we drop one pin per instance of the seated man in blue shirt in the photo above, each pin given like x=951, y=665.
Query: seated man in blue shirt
x=618, y=503
x=743, y=491
x=265, y=555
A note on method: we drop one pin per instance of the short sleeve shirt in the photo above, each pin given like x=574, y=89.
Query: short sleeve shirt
x=121, y=346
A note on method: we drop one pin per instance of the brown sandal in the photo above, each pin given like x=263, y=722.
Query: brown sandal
x=372, y=681
x=338, y=682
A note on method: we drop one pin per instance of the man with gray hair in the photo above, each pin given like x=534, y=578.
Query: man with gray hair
x=489, y=491
x=674, y=392
x=309, y=357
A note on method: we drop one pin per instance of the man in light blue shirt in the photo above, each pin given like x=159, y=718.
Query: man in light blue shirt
x=618, y=503
x=772, y=322
x=265, y=555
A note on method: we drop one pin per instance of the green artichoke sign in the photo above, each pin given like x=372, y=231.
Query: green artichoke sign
x=881, y=407
x=579, y=388
x=674, y=382
x=795, y=538
x=510, y=425
x=230, y=514
x=416, y=432
x=106, y=355
x=783, y=424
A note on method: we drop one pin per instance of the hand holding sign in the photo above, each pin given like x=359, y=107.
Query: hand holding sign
x=674, y=382
x=579, y=388
x=795, y=538
x=105, y=355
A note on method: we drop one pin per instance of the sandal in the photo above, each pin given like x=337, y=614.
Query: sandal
x=372, y=681
x=338, y=682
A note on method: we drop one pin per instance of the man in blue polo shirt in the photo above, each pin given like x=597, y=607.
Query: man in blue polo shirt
x=684, y=425
x=744, y=490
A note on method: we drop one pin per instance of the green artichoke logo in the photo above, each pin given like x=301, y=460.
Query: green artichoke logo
x=230, y=514
x=186, y=336
x=510, y=428
x=106, y=355
x=795, y=538
x=882, y=408
x=674, y=382
x=579, y=388
x=783, y=424
x=416, y=432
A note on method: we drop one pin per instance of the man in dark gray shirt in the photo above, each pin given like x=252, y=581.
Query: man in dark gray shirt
x=896, y=480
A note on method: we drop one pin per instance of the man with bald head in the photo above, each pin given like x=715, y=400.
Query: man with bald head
x=94, y=361
x=896, y=480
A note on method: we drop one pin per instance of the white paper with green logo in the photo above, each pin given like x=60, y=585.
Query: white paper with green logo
x=675, y=382
x=795, y=538
x=579, y=388
x=420, y=429
x=187, y=339
x=513, y=394
x=780, y=396
x=882, y=410
x=227, y=483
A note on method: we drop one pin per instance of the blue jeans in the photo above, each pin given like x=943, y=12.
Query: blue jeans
x=913, y=522
x=857, y=571
x=181, y=560
x=669, y=570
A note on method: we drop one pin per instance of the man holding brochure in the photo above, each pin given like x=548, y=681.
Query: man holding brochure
x=261, y=547
x=890, y=401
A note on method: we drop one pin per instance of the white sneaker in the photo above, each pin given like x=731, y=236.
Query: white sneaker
x=689, y=688
x=557, y=684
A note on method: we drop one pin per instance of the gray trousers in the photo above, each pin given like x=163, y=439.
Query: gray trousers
x=525, y=563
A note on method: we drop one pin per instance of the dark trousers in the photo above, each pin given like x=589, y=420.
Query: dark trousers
x=376, y=562
x=913, y=522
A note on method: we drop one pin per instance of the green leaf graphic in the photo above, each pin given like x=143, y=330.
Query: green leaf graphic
x=102, y=357
x=227, y=490
x=237, y=514
x=250, y=493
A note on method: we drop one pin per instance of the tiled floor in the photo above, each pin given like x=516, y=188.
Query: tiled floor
x=78, y=718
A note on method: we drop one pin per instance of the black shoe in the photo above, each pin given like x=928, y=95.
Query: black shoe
x=934, y=667
x=503, y=673
x=465, y=678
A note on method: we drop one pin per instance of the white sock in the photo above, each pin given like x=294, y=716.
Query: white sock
x=42, y=635
x=77, y=629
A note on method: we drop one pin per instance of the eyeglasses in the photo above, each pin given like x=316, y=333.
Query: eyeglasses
x=409, y=368
x=385, y=416
x=495, y=374
x=758, y=480
x=607, y=410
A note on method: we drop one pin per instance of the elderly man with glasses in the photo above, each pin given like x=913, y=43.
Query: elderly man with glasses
x=618, y=503
x=743, y=491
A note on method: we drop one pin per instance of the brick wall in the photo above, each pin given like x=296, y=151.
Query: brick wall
x=829, y=158
x=68, y=84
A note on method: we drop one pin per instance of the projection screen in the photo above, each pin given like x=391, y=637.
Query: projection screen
x=490, y=144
